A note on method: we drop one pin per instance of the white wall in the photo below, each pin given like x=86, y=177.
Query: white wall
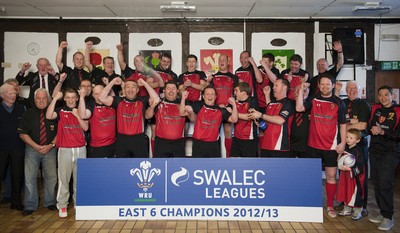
x=386, y=50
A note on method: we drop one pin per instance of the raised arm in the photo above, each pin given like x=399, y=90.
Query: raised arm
x=154, y=98
x=88, y=47
x=257, y=72
x=120, y=57
x=186, y=110
x=234, y=114
x=200, y=87
x=300, y=97
x=338, y=88
x=84, y=113
x=59, y=54
x=150, y=110
x=182, y=105
x=104, y=96
x=50, y=113
x=267, y=94
x=21, y=74
x=271, y=76
x=58, y=87
x=82, y=123
x=337, y=46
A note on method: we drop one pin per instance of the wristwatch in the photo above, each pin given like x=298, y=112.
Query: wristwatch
x=52, y=144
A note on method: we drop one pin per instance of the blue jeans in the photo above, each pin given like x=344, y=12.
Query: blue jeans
x=32, y=161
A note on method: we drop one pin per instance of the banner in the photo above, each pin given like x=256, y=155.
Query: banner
x=262, y=189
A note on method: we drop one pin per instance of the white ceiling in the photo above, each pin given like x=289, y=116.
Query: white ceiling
x=205, y=9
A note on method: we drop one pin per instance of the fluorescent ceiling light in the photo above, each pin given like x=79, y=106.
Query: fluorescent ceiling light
x=372, y=6
x=177, y=7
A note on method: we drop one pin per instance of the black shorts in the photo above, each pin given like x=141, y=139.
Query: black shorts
x=329, y=157
x=102, y=151
x=152, y=121
x=301, y=153
x=201, y=149
x=244, y=148
x=132, y=146
x=164, y=148
x=274, y=154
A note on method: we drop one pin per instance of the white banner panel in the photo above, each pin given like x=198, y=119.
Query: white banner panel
x=169, y=42
x=21, y=47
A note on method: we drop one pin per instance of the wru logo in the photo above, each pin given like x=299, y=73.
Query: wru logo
x=145, y=174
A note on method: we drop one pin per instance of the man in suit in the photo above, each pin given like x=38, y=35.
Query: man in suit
x=45, y=77
x=11, y=146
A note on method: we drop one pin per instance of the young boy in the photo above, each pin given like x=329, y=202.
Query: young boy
x=351, y=180
x=71, y=143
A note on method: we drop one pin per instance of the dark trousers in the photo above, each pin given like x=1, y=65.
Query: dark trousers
x=164, y=148
x=383, y=170
x=364, y=144
x=16, y=160
x=132, y=146
x=244, y=148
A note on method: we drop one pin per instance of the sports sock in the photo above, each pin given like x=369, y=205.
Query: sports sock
x=330, y=193
x=228, y=145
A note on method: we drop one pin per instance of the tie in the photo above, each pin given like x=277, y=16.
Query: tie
x=349, y=109
x=42, y=135
x=43, y=82
x=299, y=118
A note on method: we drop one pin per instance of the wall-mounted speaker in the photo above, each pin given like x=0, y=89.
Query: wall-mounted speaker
x=352, y=40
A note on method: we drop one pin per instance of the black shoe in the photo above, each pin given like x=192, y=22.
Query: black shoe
x=17, y=207
x=27, y=212
x=339, y=207
x=52, y=207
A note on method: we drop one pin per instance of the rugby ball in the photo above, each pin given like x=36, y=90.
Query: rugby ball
x=347, y=160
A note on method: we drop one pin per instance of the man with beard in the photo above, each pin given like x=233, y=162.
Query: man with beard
x=327, y=132
x=169, y=125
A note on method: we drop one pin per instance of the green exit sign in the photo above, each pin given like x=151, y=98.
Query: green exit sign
x=390, y=65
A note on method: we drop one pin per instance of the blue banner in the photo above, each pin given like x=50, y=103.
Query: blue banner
x=149, y=187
